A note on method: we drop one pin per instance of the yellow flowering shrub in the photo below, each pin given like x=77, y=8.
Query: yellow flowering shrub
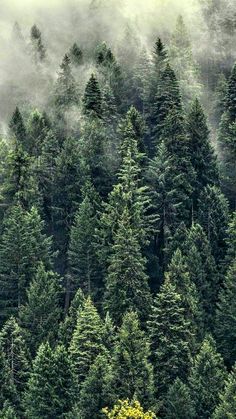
x=128, y=410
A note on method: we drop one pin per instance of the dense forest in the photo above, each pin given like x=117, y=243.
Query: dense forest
x=117, y=212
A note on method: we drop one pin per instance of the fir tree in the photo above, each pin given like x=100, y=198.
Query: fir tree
x=86, y=343
x=41, y=313
x=37, y=130
x=76, y=55
x=65, y=90
x=8, y=412
x=202, y=154
x=226, y=407
x=133, y=373
x=23, y=246
x=16, y=353
x=18, y=129
x=178, y=403
x=126, y=281
x=231, y=239
x=170, y=338
x=68, y=326
x=92, y=100
x=226, y=317
x=7, y=388
x=38, y=49
x=208, y=368
x=49, y=391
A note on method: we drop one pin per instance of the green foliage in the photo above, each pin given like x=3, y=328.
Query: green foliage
x=76, y=55
x=227, y=407
x=92, y=100
x=37, y=48
x=7, y=388
x=18, y=128
x=67, y=327
x=178, y=403
x=66, y=93
x=207, y=378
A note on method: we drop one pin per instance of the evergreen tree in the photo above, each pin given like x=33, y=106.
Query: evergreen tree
x=23, y=246
x=133, y=373
x=86, y=343
x=82, y=257
x=49, y=391
x=96, y=391
x=18, y=129
x=231, y=239
x=66, y=93
x=92, y=100
x=134, y=120
x=68, y=326
x=76, y=55
x=226, y=407
x=8, y=412
x=225, y=329
x=16, y=353
x=202, y=154
x=178, y=403
x=38, y=49
x=37, y=130
x=41, y=313
x=7, y=388
x=126, y=281
x=213, y=215
x=170, y=338
x=208, y=368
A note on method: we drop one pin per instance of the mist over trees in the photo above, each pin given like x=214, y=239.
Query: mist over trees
x=118, y=209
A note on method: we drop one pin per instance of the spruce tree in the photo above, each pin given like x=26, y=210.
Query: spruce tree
x=38, y=127
x=207, y=378
x=40, y=314
x=66, y=93
x=23, y=246
x=49, y=392
x=133, y=372
x=82, y=257
x=170, y=336
x=86, y=343
x=178, y=403
x=8, y=412
x=226, y=407
x=18, y=129
x=231, y=239
x=7, y=388
x=92, y=101
x=16, y=353
x=38, y=49
x=76, y=55
x=68, y=326
x=202, y=154
x=213, y=215
x=225, y=322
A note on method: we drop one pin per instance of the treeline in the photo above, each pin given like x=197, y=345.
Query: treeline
x=118, y=243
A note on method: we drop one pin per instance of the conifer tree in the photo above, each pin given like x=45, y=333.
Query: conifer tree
x=18, y=129
x=86, y=343
x=66, y=93
x=8, y=412
x=225, y=330
x=202, y=154
x=82, y=257
x=38, y=49
x=7, y=388
x=231, y=239
x=133, y=373
x=41, y=313
x=49, y=391
x=76, y=55
x=133, y=119
x=208, y=368
x=178, y=403
x=68, y=326
x=37, y=129
x=96, y=391
x=23, y=246
x=213, y=215
x=170, y=338
x=92, y=101
x=226, y=407
x=16, y=353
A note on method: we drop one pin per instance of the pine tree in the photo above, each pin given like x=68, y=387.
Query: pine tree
x=86, y=343
x=38, y=49
x=208, y=368
x=213, y=215
x=16, y=353
x=133, y=373
x=203, y=272
x=66, y=93
x=76, y=55
x=126, y=281
x=82, y=257
x=41, y=313
x=18, y=129
x=23, y=246
x=49, y=391
x=96, y=391
x=226, y=317
x=178, y=403
x=226, y=407
x=92, y=100
x=170, y=338
x=202, y=154
x=226, y=140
